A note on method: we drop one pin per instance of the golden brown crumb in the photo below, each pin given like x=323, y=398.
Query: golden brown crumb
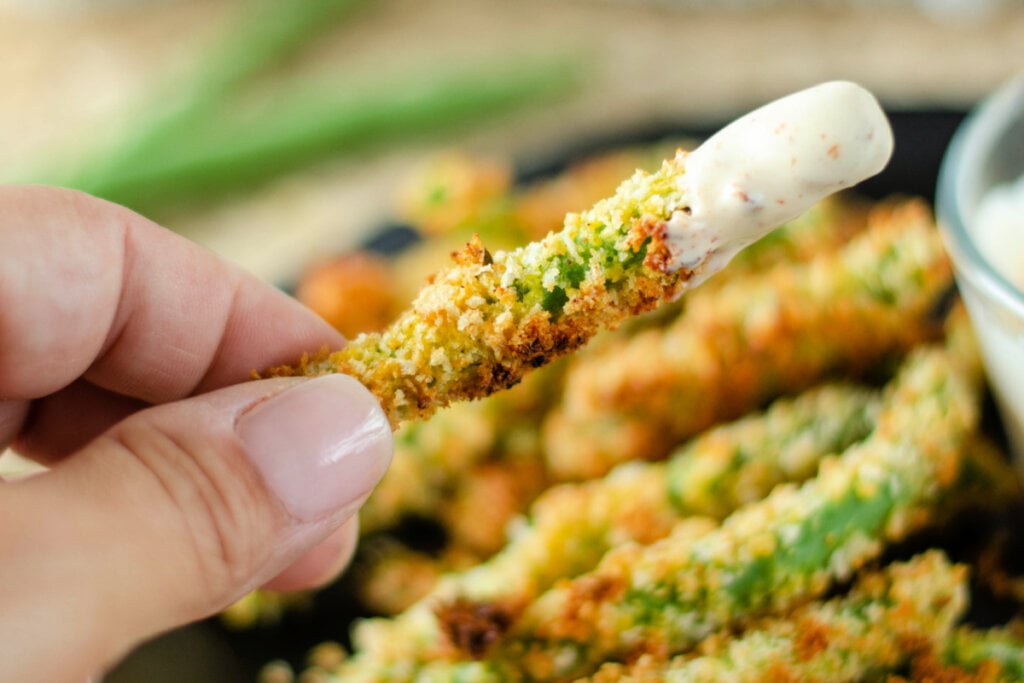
x=482, y=324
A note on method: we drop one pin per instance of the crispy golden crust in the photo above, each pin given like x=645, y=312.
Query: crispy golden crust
x=771, y=556
x=748, y=340
x=889, y=620
x=481, y=353
x=481, y=325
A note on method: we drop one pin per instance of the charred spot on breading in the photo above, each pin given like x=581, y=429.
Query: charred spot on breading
x=472, y=628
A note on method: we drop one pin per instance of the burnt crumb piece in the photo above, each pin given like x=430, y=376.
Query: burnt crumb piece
x=474, y=253
x=472, y=628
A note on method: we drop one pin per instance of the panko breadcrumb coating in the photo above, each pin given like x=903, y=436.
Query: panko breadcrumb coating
x=455, y=196
x=890, y=618
x=750, y=339
x=570, y=527
x=732, y=465
x=770, y=555
x=432, y=457
x=479, y=326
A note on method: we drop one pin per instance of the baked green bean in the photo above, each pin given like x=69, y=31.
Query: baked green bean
x=485, y=322
x=769, y=555
x=766, y=557
x=888, y=619
x=571, y=527
x=749, y=340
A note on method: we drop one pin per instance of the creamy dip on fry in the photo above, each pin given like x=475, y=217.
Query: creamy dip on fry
x=773, y=164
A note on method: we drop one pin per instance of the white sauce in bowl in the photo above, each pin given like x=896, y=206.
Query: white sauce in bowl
x=998, y=230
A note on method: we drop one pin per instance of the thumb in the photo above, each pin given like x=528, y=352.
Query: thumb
x=174, y=513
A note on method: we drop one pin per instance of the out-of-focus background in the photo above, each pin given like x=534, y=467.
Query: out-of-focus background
x=279, y=132
x=308, y=112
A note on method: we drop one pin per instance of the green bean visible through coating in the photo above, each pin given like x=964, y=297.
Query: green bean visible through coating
x=739, y=463
x=749, y=340
x=769, y=555
x=888, y=619
x=486, y=321
x=571, y=527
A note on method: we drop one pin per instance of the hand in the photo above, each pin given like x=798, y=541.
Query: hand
x=176, y=485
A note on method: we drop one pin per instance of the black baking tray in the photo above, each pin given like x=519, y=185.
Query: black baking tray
x=207, y=651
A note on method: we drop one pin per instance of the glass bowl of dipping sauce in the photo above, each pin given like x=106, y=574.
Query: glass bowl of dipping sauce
x=980, y=207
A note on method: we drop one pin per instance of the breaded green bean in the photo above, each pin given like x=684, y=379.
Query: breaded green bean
x=751, y=339
x=739, y=463
x=482, y=324
x=432, y=456
x=765, y=558
x=888, y=619
x=570, y=527
x=771, y=554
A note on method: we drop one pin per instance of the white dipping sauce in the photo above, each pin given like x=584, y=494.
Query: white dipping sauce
x=773, y=164
x=998, y=230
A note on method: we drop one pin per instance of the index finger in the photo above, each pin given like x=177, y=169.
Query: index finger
x=90, y=289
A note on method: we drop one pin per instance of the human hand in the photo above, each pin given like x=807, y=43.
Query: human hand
x=176, y=486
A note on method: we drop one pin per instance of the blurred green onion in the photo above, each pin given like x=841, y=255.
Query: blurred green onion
x=261, y=36
x=311, y=121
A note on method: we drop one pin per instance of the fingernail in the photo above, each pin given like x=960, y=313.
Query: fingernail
x=320, y=446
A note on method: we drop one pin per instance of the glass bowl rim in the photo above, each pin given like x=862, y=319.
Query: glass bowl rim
x=974, y=140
